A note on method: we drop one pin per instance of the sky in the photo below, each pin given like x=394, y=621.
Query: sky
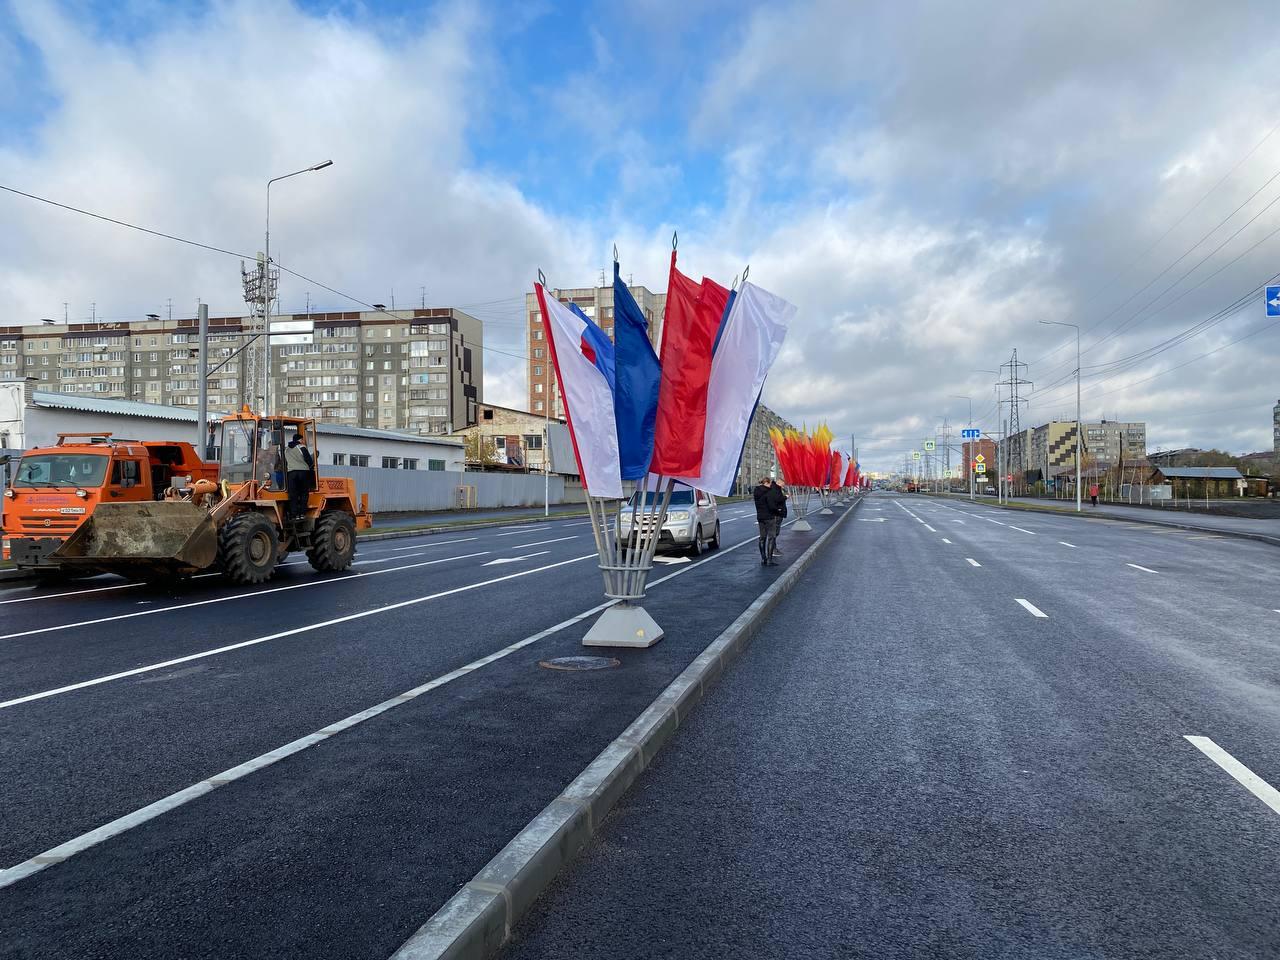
x=926, y=181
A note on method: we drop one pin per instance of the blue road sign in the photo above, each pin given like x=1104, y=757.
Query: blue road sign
x=975, y=433
x=1273, y=301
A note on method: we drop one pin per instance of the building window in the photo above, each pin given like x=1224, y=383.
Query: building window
x=532, y=441
x=537, y=370
x=359, y=459
x=339, y=459
x=410, y=463
x=435, y=464
x=487, y=414
x=537, y=406
x=537, y=353
x=537, y=388
x=390, y=463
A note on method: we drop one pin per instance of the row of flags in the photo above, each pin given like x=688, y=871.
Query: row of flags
x=807, y=460
x=682, y=412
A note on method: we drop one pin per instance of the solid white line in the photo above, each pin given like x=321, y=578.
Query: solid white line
x=538, y=543
x=234, y=596
x=930, y=529
x=973, y=562
x=436, y=543
x=1246, y=777
x=945, y=540
x=1143, y=569
x=72, y=593
x=1012, y=527
x=286, y=633
x=527, y=528
x=86, y=840
x=1071, y=545
x=1034, y=610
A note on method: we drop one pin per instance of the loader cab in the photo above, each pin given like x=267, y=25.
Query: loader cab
x=253, y=448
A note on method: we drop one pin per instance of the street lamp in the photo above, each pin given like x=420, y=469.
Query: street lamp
x=968, y=467
x=1079, y=426
x=266, y=280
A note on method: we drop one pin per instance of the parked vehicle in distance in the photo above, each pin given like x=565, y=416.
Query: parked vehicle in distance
x=692, y=523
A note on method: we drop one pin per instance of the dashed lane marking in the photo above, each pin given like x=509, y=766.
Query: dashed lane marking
x=945, y=540
x=1021, y=530
x=538, y=543
x=1032, y=608
x=973, y=562
x=1071, y=545
x=1143, y=569
x=1243, y=775
x=930, y=529
x=439, y=543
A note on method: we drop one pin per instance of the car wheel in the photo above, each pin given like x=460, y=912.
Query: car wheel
x=715, y=540
x=696, y=547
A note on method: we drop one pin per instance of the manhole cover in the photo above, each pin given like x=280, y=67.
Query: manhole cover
x=580, y=663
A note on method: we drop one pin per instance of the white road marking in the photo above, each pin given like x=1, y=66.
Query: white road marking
x=1021, y=530
x=1246, y=777
x=731, y=519
x=671, y=560
x=1143, y=569
x=1213, y=536
x=1071, y=545
x=86, y=840
x=973, y=562
x=234, y=596
x=538, y=543
x=150, y=668
x=528, y=556
x=1031, y=607
x=930, y=529
x=528, y=526
x=871, y=520
x=72, y=593
x=437, y=543
x=945, y=540
x=517, y=533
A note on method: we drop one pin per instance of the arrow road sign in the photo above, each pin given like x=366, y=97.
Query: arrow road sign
x=970, y=433
x=1273, y=301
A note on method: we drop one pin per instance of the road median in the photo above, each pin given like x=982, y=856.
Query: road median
x=477, y=921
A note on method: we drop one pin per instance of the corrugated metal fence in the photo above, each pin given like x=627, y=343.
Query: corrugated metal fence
x=415, y=490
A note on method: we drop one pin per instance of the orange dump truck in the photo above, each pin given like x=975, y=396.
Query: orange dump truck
x=56, y=489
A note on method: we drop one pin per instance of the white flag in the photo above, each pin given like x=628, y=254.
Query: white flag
x=750, y=342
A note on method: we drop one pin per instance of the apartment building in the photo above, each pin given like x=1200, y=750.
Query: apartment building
x=596, y=303
x=758, y=458
x=1045, y=451
x=411, y=370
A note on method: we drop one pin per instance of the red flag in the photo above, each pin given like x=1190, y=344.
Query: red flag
x=688, y=335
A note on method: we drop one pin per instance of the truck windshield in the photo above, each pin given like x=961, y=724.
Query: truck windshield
x=61, y=470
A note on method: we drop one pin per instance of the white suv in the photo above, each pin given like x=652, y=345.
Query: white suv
x=693, y=520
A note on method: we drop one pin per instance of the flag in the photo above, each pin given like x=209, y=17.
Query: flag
x=688, y=338
x=753, y=335
x=638, y=378
x=584, y=362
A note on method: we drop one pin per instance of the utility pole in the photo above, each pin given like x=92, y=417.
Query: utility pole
x=1014, y=426
x=202, y=367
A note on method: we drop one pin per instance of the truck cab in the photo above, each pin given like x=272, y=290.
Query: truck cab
x=53, y=489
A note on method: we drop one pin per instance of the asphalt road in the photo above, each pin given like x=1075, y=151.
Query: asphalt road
x=312, y=767
x=964, y=734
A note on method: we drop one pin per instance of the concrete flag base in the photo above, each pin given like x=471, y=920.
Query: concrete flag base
x=802, y=524
x=623, y=625
x=826, y=512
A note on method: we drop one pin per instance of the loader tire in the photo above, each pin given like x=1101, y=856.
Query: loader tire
x=248, y=546
x=333, y=545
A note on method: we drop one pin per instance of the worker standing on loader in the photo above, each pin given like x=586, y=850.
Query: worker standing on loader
x=300, y=469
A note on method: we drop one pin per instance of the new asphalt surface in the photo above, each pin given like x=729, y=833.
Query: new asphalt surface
x=196, y=771
x=964, y=734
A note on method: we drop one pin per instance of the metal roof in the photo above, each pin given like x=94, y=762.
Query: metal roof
x=1201, y=473
x=159, y=411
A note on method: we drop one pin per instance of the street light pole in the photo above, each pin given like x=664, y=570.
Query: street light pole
x=1079, y=425
x=266, y=286
x=968, y=466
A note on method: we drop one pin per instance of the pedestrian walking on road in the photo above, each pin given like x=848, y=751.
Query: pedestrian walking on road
x=770, y=506
x=1093, y=495
x=300, y=467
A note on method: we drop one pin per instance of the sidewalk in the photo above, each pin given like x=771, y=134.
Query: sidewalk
x=1267, y=529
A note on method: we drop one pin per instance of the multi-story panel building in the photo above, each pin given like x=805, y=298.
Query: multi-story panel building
x=416, y=370
x=758, y=458
x=596, y=303
x=1048, y=450
x=1275, y=430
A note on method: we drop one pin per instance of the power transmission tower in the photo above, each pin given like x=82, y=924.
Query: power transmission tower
x=259, y=290
x=1015, y=459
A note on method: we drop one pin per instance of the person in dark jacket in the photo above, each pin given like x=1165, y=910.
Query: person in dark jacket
x=771, y=504
x=301, y=470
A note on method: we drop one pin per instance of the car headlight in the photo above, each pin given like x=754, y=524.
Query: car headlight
x=680, y=516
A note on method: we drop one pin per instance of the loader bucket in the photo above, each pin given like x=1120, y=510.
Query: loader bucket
x=141, y=539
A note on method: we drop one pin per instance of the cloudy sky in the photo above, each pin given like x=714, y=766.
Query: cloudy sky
x=925, y=181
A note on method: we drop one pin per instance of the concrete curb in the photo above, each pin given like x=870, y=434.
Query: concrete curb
x=477, y=921
x=1031, y=508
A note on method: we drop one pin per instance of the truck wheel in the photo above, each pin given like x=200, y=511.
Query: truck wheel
x=333, y=545
x=248, y=545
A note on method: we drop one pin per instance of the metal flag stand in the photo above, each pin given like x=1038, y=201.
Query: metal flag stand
x=625, y=562
x=803, y=496
x=824, y=497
